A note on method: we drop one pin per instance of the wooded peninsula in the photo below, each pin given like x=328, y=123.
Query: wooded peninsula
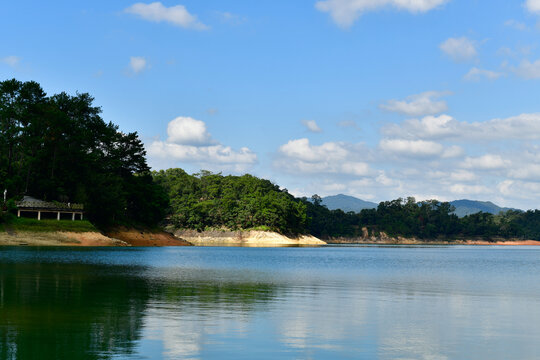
x=58, y=148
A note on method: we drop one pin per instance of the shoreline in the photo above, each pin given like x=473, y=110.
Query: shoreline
x=116, y=238
x=497, y=242
x=123, y=237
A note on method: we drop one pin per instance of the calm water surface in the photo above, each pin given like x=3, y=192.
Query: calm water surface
x=254, y=303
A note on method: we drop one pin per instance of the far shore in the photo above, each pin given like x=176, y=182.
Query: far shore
x=404, y=241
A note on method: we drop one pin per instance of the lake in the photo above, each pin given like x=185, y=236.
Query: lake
x=341, y=302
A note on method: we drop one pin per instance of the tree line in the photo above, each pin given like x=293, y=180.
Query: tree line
x=428, y=220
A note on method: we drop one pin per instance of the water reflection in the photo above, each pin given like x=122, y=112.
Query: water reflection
x=81, y=311
x=68, y=311
x=211, y=303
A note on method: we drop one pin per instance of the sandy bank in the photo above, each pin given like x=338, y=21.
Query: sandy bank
x=146, y=238
x=245, y=238
x=58, y=238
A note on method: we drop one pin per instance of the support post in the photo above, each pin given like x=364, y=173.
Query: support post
x=39, y=215
x=72, y=216
x=58, y=216
x=18, y=213
x=81, y=216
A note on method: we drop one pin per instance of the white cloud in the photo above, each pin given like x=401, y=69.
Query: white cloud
x=533, y=6
x=476, y=74
x=312, y=126
x=188, y=131
x=415, y=148
x=429, y=127
x=455, y=176
x=453, y=151
x=463, y=189
x=463, y=175
x=524, y=126
x=345, y=12
x=137, y=64
x=505, y=186
x=212, y=154
x=299, y=156
x=521, y=127
x=515, y=24
x=418, y=105
x=459, y=49
x=175, y=15
x=301, y=149
x=11, y=60
x=189, y=141
x=526, y=172
x=485, y=162
x=384, y=180
x=528, y=70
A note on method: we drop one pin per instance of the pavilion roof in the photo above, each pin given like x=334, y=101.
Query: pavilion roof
x=29, y=202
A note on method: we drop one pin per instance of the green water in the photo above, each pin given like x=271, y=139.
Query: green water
x=252, y=303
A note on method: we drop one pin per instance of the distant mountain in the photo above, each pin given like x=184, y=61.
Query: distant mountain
x=463, y=207
x=347, y=203
x=467, y=207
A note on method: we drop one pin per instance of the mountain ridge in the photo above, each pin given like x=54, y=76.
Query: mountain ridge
x=463, y=206
x=347, y=203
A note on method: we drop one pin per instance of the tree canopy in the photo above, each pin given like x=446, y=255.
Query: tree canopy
x=59, y=148
x=207, y=200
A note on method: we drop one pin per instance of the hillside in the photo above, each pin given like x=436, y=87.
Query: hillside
x=467, y=207
x=347, y=203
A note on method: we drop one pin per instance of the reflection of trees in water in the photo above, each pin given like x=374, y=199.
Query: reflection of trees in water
x=85, y=311
x=241, y=296
x=68, y=311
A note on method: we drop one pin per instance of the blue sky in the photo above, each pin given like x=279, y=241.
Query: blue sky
x=373, y=98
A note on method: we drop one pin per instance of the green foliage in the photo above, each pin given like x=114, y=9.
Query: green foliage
x=208, y=200
x=34, y=225
x=11, y=206
x=58, y=148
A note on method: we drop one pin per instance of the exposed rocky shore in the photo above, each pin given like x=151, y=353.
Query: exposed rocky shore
x=384, y=239
x=245, y=238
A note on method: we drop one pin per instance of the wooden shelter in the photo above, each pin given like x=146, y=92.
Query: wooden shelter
x=30, y=204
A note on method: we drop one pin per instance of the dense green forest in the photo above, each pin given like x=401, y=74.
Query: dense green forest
x=207, y=200
x=59, y=148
